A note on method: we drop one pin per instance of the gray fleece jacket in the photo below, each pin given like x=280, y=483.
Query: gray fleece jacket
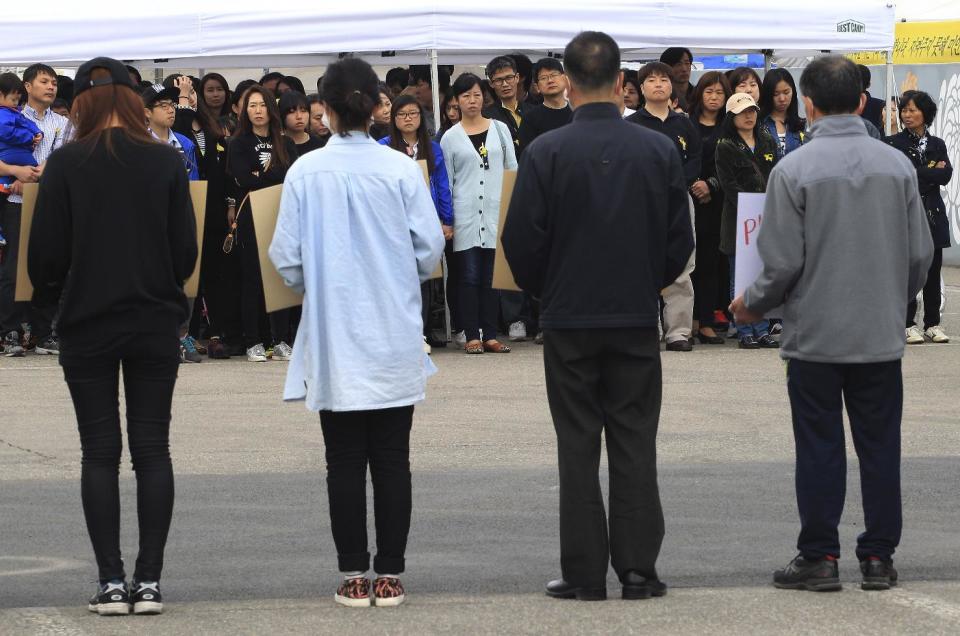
x=845, y=245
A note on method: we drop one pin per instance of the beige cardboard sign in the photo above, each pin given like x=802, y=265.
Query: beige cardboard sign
x=502, y=276
x=24, y=288
x=198, y=194
x=264, y=210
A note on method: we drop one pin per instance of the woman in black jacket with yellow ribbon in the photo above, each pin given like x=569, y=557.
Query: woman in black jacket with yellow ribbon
x=746, y=153
x=929, y=156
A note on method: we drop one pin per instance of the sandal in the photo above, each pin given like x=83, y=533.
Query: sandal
x=495, y=346
x=474, y=346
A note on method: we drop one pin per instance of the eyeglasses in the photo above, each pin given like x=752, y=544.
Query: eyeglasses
x=409, y=115
x=549, y=77
x=506, y=79
x=164, y=104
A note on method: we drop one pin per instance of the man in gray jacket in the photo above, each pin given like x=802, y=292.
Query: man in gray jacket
x=844, y=235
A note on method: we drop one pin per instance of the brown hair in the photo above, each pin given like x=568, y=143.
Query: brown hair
x=278, y=156
x=706, y=81
x=94, y=108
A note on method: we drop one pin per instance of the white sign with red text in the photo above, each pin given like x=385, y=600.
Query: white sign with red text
x=749, y=265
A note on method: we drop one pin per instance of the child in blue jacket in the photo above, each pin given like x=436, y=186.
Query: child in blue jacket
x=18, y=135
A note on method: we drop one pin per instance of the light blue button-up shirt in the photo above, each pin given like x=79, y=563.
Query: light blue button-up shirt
x=356, y=234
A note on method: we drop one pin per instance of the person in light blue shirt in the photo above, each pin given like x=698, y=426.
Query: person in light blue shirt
x=357, y=233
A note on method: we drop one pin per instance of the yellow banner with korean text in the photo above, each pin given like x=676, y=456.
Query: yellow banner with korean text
x=919, y=43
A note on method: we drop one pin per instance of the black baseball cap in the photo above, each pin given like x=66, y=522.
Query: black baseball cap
x=118, y=75
x=155, y=92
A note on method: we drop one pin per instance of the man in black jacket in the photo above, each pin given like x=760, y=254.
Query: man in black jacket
x=656, y=82
x=598, y=224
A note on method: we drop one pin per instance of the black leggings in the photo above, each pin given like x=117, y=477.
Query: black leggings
x=382, y=439
x=150, y=365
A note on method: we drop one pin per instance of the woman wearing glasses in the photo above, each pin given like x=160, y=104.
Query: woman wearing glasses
x=477, y=151
x=409, y=135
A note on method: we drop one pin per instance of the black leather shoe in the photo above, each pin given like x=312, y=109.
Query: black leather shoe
x=637, y=587
x=709, y=340
x=768, y=342
x=748, y=342
x=821, y=575
x=562, y=589
x=878, y=574
x=679, y=345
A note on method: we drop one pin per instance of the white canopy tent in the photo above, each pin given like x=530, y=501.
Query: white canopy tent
x=246, y=33
x=928, y=10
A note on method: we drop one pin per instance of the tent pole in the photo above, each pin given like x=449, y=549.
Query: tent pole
x=888, y=123
x=767, y=61
x=435, y=84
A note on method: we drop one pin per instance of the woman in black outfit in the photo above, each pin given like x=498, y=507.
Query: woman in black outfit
x=122, y=311
x=707, y=112
x=295, y=112
x=929, y=156
x=258, y=157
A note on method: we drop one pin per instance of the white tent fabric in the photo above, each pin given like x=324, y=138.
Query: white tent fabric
x=225, y=33
x=928, y=10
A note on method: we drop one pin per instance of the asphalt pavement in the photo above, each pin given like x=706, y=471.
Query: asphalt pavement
x=250, y=550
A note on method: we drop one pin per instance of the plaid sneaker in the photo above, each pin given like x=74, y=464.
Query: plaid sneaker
x=388, y=591
x=354, y=592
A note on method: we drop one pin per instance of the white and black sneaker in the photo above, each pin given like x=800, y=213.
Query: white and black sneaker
x=11, y=345
x=111, y=599
x=146, y=599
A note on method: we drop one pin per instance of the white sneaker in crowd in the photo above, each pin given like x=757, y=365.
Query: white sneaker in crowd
x=460, y=339
x=914, y=335
x=518, y=331
x=256, y=353
x=282, y=351
x=937, y=334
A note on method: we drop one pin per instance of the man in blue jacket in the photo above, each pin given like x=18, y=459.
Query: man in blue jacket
x=159, y=105
x=844, y=236
x=598, y=224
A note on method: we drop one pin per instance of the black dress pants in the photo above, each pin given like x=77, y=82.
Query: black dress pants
x=931, y=295
x=12, y=313
x=606, y=382
x=873, y=394
x=381, y=439
x=150, y=363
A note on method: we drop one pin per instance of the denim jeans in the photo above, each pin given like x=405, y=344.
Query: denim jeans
x=757, y=329
x=478, y=299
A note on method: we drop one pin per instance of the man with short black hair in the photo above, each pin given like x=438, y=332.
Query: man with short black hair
x=40, y=83
x=505, y=80
x=598, y=224
x=270, y=81
x=397, y=79
x=680, y=61
x=844, y=236
x=421, y=87
x=656, y=113
x=555, y=110
x=873, y=108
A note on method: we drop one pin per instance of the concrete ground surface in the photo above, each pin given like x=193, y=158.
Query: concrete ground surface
x=250, y=550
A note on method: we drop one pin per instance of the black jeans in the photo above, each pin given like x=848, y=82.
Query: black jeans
x=606, y=382
x=452, y=289
x=706, y=279
x=873, y=394
x=12, y=313
x=381, y=438
x=150, y=364
x=478, y=299
x=931, y=295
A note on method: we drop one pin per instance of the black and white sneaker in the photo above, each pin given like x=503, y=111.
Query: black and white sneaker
x=145, y=596
x=11, y=345
x=111, y=599
x=50, y=346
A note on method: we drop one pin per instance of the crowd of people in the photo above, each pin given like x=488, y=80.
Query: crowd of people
x=600, y=235
x=729, y=128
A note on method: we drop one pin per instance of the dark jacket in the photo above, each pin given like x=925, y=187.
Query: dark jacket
x=498, y=112
x=873, y=111
x=930, y=179
x=792, y=140
x=682, y=132
x=599, y=222
x=708, y=214
x=113, y=238
x=740, y=170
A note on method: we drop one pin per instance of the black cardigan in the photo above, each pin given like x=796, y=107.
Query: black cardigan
x=930, y=179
